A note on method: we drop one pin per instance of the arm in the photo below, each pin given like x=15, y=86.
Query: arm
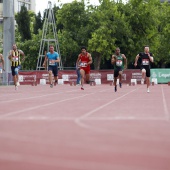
x=58, y=59
x=125, y=61
x=150, y=58
x=113, y=60
x=78, y=61
x=90, y=59
x=10, y=55
x=3, y=62
x=22, y=53
x=136, y=60
x=45, y=60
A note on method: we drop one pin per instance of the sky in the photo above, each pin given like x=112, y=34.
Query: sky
x=41, y=5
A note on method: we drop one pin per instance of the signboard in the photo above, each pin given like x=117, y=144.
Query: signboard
x=106, y=76
x=162, y=75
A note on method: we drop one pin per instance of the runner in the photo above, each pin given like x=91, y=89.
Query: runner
x=2, y=63
x=78, y=74
x=53, y=58
x=85, y=59
x=15, y=58
x=146, y=59
x=120, y=63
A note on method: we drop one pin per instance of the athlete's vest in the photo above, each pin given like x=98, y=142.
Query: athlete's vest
x=15, y=59
x=119, y=61
x=84, y=60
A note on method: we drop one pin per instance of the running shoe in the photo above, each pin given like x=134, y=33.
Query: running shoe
x=51, y=85
x=16, y=87
x=142, y=81
x=120, y=85
x=82, y=88
x=148, y=90
x=115, y=88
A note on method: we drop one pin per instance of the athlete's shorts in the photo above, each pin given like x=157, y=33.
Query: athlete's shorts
x=86, y=69
x=148, y=73
x=15, y=70
x=116, y=71
x=54, y=70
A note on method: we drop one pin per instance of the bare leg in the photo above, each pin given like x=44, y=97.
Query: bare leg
x=120, y=78
x=143, y=76
x=56, y=79
x=82, y=72
x=87, y=78
x=15, y=80
x=50, y=77
x=115, y=83
x=147, y=82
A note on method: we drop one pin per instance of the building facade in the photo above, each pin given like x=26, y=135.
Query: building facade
x=165, y=1
x=30, y=5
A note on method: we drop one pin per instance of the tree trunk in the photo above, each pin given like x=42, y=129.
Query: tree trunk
x=97, y=60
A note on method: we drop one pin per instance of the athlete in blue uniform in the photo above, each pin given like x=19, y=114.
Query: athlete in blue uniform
x=53, y=59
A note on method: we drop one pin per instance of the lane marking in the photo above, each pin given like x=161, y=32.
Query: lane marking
x=116, y=118
x=42, y=105
x=78, y=120
x=165, y=104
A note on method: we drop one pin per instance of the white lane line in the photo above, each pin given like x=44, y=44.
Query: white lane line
x=34, y=97
x=40, y=106
x=78, y=120
x=39, y=96
x=165, y=105
x=116, y=118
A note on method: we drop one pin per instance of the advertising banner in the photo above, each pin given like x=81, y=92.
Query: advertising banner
x=106, y=76
x=162, y=75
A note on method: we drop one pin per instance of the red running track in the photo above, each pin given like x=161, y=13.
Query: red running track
x=65, y=128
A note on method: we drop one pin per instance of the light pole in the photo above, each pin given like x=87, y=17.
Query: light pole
x=8, y=30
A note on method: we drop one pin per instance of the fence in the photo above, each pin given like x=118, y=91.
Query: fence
x=105, y=76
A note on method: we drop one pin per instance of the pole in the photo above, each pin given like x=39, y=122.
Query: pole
x=8, y=31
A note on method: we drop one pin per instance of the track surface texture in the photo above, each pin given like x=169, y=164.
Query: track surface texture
x=65, y=128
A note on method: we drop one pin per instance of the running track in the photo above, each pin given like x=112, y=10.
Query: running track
x=65, y=128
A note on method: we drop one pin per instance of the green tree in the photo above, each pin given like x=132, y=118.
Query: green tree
x=73, y=20
x=161, y=47
x=109, y=29
x=143, y=19
x=38, y=23
x=23, y=23
x=31, y=50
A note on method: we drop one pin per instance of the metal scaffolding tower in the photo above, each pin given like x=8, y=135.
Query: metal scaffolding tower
x=49, y=36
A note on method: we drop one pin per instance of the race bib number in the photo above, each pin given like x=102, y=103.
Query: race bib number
x=83, y=64
x=15, y=58
x=145, y=62
x=51, y=63
x=119, y=63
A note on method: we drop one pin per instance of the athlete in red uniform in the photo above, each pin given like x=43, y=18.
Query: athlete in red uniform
x=84, y=60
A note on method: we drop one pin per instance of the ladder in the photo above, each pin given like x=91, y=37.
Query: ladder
x=49, y=36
